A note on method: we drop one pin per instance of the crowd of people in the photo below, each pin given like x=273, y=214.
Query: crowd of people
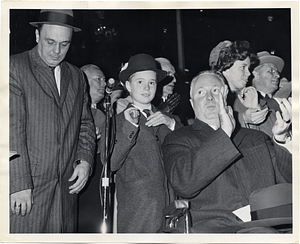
x=238, y=143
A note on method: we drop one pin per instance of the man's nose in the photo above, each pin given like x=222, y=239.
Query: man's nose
x=57, y=48
x=276, y=74
x=210, y=96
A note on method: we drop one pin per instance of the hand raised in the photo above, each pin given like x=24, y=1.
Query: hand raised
x=132, y=114
x=170, y=104
x=255, y=116
x=227, y=121
x=249, y=97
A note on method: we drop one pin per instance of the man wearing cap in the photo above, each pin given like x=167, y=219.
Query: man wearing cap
x=51, y=128
x=266, y=82
x=215, y=165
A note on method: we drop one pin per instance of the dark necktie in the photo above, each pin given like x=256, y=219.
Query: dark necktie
x=271, y=102
x=147, y=112
x=52, y=70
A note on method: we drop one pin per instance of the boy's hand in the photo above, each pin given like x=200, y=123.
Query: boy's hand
x=132, y=114
x=158, y=118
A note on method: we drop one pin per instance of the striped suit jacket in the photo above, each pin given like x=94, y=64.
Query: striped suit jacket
x=50, y=132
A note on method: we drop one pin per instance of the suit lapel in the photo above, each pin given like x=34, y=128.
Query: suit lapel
x=44, y=75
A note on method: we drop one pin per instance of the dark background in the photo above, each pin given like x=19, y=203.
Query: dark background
x=110, y=37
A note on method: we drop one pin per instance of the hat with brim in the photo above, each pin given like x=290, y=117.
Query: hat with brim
x=266, y=57
x=140, y=62
x=269, y=207
x=56, y=17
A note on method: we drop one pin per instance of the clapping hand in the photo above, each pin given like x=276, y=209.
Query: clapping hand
x=227, y=121
x=170, y=104
x=249, y=97
x=281, y=128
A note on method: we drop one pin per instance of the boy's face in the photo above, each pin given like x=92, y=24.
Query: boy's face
x=142, y=87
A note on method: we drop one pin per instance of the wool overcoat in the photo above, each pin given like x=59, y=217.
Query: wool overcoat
x=50, y=132
x=217, y=174
x=142, y=190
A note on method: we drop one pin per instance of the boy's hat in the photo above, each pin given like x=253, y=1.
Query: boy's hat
x=62, y=17
x=140, y=62
x=266, y=57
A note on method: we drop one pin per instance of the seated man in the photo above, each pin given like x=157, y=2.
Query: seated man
x=215, y=166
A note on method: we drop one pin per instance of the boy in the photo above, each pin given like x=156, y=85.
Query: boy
x=136, y=158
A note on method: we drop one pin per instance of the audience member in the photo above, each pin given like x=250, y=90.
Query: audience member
x=89, y=202
x=165, y=99
x=266, y=82
x=140, y=129
x=217, y=166
x=51, y=128
x=233, y=60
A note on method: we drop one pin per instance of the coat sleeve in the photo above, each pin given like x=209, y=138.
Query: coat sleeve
x=191, y=164
x=19, y=166
x=282, y=161
x=126, y=137
x=87, y=134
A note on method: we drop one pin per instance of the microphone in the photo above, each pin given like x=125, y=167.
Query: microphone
x=109, y=86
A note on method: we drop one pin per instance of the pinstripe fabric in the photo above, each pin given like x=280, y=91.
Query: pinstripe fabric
x=217, y=173
x=50, y=132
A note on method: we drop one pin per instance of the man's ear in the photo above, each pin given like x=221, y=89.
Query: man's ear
x=37, y=36
x=127, y=85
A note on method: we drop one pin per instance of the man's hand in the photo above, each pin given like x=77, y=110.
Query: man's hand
x=170, y=104
x=281, y=128
x=81, y=175
x=227, y=121
x=255, y=116
x=21, y=202
x=249, y=97
x=98, y=133
x=158, y=118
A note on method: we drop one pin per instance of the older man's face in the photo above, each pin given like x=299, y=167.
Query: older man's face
x=268, y=77
x=205, y=97
x=53, y=43
x=97, y=84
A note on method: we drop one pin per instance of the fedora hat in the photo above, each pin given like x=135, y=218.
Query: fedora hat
x=266, y=57
x=140, y=62
x=63, y=17
x=271, y=206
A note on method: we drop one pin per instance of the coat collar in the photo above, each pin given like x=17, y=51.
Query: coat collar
x=237, y=135
x=46, y=79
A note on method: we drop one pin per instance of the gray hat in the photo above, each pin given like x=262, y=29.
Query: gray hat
x=266, y=57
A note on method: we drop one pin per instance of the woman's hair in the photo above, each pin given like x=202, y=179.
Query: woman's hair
x=238, y=50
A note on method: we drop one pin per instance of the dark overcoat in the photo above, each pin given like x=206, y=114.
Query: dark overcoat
x=217, y=173
x=50, y=132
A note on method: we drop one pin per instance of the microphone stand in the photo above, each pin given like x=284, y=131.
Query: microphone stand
x=107, y=195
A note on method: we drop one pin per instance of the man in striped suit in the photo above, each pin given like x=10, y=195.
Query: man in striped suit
x=51, y=128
